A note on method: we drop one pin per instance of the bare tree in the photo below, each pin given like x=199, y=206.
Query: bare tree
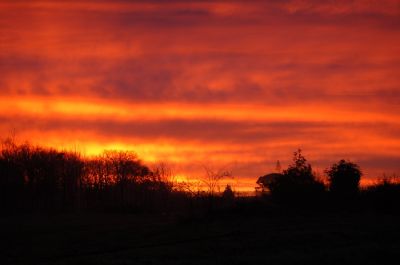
x=213, y=178
x=163, y=172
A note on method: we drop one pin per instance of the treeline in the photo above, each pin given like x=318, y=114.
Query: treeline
x=298, y=186
x=42, y=179
x=34, y=179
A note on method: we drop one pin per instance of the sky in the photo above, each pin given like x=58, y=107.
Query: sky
x=233, y=85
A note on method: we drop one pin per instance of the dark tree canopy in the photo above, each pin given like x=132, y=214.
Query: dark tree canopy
x=344, y=178
x=300, y=171
x=37, y=178
x=265, y=181
x=228, y=193
x=297, y=183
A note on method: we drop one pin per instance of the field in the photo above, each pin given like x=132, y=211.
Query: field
x=225, y=238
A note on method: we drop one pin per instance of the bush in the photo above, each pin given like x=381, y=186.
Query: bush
x=384, y=195
x=228, y=193
x=297, y=184
x=344, y=179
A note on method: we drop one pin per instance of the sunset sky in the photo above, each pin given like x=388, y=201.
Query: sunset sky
x=229, y=84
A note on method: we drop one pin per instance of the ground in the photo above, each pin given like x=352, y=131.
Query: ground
x=230, y=238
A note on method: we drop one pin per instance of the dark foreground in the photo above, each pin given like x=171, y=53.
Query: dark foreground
x=229, y=238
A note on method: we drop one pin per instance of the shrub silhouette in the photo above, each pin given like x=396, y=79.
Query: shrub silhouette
x=228, y=193
x=384, y=195
x=297, y=184
x=265, y=181
x=344, y=179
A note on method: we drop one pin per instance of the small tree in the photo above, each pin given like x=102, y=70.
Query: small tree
x=297, y=183
x=278, y=167
x=213, y=179
x=228, y=193
x=344, y=178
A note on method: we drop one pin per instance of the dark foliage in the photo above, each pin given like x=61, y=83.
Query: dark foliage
x=383, y=196
x=344, y=179
x=297, y=184
x=36, y=179
x=228, y=193
x=264, y=182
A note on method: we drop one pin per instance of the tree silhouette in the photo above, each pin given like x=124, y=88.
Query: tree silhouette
x=228, y=193
x=297, y=184
x=213, y=178
x=34, y=178
x=344, y=178
x=278, y=167
x=264, y=182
